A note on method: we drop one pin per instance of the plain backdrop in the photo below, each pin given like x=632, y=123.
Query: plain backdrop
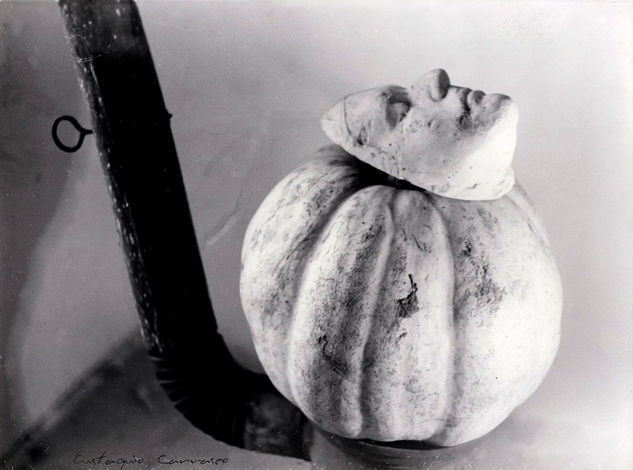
x=246, y=84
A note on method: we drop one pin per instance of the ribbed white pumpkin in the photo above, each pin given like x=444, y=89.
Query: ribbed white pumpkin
x=389, y=313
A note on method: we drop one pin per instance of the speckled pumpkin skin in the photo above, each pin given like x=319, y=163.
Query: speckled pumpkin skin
x=393, y=314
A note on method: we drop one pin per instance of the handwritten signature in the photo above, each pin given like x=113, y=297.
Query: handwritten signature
x=109, y=460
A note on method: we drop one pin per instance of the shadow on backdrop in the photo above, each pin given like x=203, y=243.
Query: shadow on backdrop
x=33, y=174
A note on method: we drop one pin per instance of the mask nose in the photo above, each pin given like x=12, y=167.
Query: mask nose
x=434, y=83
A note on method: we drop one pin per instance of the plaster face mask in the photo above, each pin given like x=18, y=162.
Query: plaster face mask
x=452, y=141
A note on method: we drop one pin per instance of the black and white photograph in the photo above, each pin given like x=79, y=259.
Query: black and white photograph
x=316, y=235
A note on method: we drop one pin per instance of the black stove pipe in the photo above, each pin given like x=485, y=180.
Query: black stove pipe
x=140, y=163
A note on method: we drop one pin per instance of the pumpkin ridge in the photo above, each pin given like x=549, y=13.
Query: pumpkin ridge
x=392, y=211
x=401, y=361
x=328, y=171
x=317, y=235
x=324, y=404
x=389, y=228
x=399, y=193
x=451, y=386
